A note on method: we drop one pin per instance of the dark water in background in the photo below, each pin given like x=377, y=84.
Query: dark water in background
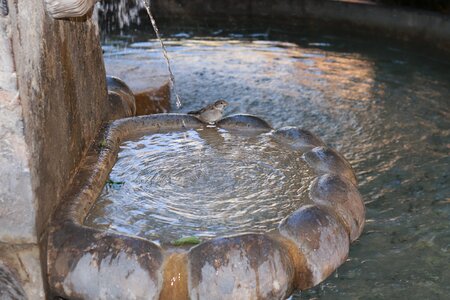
x=385, y=107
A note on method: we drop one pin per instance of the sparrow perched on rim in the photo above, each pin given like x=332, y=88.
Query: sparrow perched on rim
x=211, y=113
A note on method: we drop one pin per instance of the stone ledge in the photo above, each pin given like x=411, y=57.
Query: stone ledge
x=148, y=80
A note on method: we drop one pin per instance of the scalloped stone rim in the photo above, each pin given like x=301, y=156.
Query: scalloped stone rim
x=306, y=248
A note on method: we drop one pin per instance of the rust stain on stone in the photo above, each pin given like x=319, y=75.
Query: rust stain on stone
x=153, y=101
x=303, y=275
x=310, y=221
x=69, y=243
x=175, y=284
x=256, y=249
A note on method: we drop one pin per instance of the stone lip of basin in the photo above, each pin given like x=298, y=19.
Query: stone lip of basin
x=87, y=263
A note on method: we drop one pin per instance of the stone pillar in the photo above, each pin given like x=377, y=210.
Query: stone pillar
x=52, y=99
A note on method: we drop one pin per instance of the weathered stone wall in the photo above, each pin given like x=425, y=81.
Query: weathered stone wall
x=61, y=81
x=52, y=99
x=16, y=203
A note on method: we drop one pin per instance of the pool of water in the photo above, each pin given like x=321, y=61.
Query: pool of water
x=385, y=107
x=201, y=183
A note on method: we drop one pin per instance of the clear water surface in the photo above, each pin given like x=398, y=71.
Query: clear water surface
x=204, y=183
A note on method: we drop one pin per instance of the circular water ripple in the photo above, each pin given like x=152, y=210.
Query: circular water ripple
x=206, y=183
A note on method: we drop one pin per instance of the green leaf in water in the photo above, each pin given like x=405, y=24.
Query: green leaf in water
x=103, y=143
x=189, y=240
x=111, y=182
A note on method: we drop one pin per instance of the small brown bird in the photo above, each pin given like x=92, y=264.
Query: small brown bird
x=211, y=113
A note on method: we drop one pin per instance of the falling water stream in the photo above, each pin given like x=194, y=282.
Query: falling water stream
x=165, y=53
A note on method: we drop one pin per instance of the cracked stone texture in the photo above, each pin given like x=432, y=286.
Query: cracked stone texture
x=16, y=204
x=17, y=210
x=23, y=265
x=10, y=288
x=52, y=99
x=7, y=72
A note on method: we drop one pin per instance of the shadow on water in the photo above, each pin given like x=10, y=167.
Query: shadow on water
x=383, y=105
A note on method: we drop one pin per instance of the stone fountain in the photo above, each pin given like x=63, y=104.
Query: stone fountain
x=88, y=263
x=54, y=101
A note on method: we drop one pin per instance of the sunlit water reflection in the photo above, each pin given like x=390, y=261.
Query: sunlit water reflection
x=387, y=109
x=201, y=183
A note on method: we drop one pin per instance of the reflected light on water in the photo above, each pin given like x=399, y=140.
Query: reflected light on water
x=385, y=108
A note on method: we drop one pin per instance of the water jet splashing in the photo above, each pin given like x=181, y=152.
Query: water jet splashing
x=166, y=55
x=119, y=13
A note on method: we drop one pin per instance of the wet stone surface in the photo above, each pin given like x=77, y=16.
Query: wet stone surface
x=326, y=160
x=249, y=266
x=146, y=76
x=88, y=264
x=343, y=198
x=321, y=239
x=244, y=122
x=121, y=100
x=299, y=139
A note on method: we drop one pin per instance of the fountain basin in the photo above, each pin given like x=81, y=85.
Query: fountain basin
x=308, y=245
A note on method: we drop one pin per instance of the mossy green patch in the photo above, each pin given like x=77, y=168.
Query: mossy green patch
x=103, y=143
x=189, y=240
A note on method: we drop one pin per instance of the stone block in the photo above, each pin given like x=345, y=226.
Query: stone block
x=328, y=161
x=88, y=264
x=320, y=238
x=62, y=92
x=298, y=139
x=249, y=266
x=147, y=78
x=121, y=102
x=244, y=122
x=343, y=198
x=153, y=101
x=8, y=78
